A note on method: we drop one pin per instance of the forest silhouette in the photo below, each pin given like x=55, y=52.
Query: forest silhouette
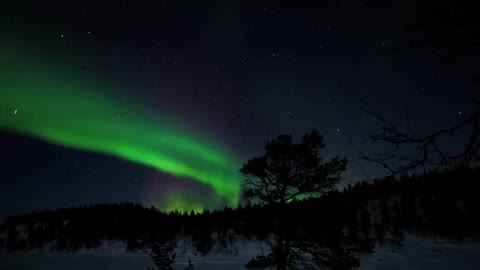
x=342, y=224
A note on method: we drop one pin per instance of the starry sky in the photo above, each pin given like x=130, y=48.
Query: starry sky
x=160, y=102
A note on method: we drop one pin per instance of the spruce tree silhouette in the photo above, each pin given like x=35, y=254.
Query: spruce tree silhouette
x=163, y=253
x=289, y=171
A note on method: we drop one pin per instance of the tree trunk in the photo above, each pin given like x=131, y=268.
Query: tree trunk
x=280, y=256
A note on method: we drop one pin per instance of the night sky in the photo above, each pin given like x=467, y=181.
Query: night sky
x=160, y=102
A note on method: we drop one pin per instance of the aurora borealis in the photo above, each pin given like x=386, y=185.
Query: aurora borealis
x=44, y=100
x=161, y=102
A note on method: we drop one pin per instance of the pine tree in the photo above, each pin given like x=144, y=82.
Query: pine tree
x=289, y=171
x=163, y=253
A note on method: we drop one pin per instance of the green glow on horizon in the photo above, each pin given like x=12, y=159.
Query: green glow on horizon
x=182, y=204
x=52, y=103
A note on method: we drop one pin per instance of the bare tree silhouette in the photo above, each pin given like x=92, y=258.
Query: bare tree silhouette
x=411, y=152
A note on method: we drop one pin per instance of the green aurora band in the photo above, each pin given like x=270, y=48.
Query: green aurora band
x=56, y=104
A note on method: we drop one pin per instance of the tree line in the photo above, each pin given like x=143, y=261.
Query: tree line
x=436, y=204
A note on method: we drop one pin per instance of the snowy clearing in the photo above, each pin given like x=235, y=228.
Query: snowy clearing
x=417, y=253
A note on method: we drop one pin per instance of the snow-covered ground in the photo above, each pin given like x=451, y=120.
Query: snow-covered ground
x=417, y=253
x=424, y=254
